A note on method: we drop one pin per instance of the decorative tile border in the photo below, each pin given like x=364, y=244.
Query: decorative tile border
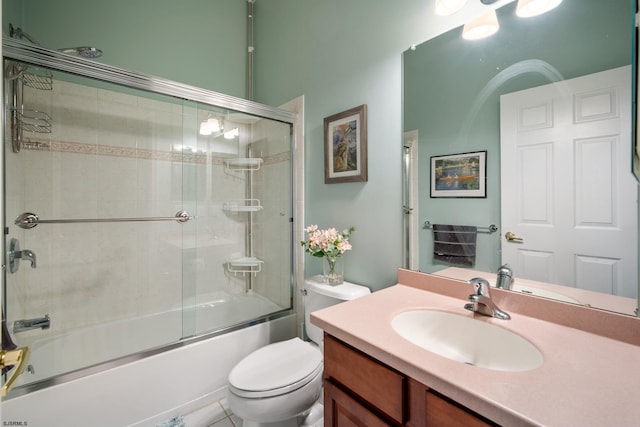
x=136, y=153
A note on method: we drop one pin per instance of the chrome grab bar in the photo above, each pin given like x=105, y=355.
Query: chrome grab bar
x=29, y=220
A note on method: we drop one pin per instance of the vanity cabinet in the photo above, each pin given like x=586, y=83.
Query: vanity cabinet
x=361, y=391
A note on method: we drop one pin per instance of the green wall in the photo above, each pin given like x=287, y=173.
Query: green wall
x=341, y=54
x=197, y=42
x=579, y=37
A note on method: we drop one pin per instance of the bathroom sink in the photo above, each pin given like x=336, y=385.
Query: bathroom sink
x=467, y=340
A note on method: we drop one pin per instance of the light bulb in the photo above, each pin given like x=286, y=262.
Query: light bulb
x=529, y=8
x=481, y=27
x=449, y=7
x=205, y=129
x=231, y=134
x=214, y=125
x=209, y=126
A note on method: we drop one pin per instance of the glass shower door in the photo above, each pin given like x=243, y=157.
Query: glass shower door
x=136, y=221
x=244, y=211
x=98, y=256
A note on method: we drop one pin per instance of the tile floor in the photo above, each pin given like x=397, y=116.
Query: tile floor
x=219, y=415
x=216, y=415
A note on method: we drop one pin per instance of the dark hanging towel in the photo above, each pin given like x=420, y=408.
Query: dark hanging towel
x=455, y=244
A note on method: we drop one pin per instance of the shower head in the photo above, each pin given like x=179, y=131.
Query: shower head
x=83, y=51
x=16, y=32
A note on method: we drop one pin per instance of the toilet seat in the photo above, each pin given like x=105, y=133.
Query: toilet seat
x=276, y=369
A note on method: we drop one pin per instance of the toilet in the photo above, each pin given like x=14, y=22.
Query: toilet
x=280, y=385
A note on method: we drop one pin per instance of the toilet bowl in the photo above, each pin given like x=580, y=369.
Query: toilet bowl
x=280, y=384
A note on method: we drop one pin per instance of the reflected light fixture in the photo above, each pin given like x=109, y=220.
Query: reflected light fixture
x=481, y=27
x=233, y=133
x=529, y=8
x=449, y=7
x=209, y=126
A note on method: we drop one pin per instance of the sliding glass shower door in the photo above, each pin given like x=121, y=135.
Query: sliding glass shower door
x=136, y=220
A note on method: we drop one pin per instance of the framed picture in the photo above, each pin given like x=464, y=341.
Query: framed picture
x=459, y=175
x=345, y=146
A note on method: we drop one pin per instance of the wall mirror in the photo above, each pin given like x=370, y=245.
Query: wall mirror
x=534, y=67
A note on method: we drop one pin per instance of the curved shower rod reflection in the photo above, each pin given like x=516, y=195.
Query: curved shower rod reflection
x=519, y=68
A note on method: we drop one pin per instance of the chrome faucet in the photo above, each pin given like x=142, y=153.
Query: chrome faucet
x=505, y=277
x=481, y=301
x=29, y=324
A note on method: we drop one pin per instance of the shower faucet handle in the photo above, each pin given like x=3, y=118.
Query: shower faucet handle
x=15, y=255
x=28, y=255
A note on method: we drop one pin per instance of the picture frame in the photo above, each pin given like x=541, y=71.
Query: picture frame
x=345, y=146
x=462, y=175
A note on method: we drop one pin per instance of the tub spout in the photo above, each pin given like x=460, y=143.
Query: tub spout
x=29, y=324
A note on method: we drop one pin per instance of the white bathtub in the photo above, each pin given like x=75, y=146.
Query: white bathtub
x=146, y=392
x=66, y=352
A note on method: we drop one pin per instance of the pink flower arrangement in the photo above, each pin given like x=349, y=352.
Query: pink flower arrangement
x=329, y=242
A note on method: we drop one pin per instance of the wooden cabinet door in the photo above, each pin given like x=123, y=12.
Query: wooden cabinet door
x=375, y=383
x=384, y=397
x=430, y=409
x=341, y=410
x=441, y=412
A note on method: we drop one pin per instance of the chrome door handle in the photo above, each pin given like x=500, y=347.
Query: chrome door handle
x=513, y=237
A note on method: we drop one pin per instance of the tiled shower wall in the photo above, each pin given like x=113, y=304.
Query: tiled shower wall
x=113, y=154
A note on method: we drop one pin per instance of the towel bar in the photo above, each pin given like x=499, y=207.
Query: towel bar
x=490, y=229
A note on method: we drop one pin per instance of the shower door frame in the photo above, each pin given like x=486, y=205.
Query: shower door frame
x=14, y=49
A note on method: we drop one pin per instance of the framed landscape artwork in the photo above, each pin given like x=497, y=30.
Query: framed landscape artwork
x=459, y=175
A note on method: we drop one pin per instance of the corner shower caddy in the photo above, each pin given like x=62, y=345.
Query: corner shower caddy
x=25, y=119
x=249, y=264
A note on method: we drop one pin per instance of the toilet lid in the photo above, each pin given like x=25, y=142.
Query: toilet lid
x=276, y=369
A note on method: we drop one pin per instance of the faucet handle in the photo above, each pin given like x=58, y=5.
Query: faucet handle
x=480, y=286
x=15, y=255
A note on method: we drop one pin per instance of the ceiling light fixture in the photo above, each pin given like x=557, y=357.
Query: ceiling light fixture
x=449, y=7
x=481, y=27
x=529, y=8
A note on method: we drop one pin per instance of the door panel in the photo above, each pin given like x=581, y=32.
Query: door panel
x=567, y=188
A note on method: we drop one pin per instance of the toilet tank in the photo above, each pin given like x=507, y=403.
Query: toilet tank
x=320, y=295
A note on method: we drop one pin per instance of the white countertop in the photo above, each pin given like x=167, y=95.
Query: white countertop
x=585, y=379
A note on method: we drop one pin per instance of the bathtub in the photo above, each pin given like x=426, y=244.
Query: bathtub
x=146, y=392
x=67, y=352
